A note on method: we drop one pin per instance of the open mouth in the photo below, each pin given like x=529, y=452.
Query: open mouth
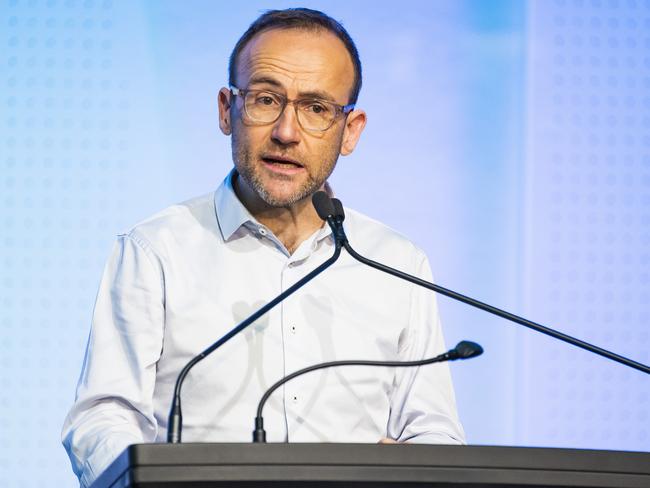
x=280, y=163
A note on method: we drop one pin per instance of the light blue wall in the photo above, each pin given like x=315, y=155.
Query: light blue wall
x=587, y=216
x=509, y=139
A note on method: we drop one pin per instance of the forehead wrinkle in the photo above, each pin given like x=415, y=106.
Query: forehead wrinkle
x=263, y=63
x=309, y=83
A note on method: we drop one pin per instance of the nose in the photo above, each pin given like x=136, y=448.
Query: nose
x=286, y=129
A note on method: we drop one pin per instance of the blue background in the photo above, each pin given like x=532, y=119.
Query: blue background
x=509, y=139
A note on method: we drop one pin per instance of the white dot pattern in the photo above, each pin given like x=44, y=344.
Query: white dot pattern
x=65, y=113
x=81, y=157
x=587, y=214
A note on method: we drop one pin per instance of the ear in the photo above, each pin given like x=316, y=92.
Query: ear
x=354, y=124
x=224, y=100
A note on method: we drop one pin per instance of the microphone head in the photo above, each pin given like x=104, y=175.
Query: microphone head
x=468, y=349
x=339, y=213
x=323, y=204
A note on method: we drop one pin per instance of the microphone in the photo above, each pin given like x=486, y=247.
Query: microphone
x=324, y=205
x=324, y=208
x=339, y=213
x=463, y=350
x=338, y=219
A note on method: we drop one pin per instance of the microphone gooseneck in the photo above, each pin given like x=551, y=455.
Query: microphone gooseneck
x=464, y=350
x=339, y=216
x=499, y=312
x=175, y=420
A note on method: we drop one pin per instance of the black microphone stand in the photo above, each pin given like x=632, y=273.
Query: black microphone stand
x=463, y=350
x=337, y=220
x=175, y=421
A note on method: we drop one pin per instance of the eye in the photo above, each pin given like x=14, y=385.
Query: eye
x=266, y=99
x=316, y=108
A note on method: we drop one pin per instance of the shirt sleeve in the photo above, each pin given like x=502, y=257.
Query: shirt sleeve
x=113, y=407
x=423, y=404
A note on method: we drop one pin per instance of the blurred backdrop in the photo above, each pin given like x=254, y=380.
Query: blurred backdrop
x=509, y=139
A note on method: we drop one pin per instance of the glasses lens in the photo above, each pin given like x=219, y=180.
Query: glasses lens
x=315, y=114
x=263, y=106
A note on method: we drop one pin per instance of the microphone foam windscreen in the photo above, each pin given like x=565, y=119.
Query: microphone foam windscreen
x=338, y=209
x=323, y=204
x=468, y=349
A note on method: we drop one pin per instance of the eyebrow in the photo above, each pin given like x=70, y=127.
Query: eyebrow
x=256, y=80
x=264, y=80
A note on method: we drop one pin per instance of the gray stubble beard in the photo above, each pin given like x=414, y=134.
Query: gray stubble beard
x=246, y=169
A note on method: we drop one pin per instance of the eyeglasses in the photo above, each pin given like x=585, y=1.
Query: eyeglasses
x=313, y=114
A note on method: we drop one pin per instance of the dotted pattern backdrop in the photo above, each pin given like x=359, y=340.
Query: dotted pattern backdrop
x=588, y=218
x=68, y=156
x=107, y=114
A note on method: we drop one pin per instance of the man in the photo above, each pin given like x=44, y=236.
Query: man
x=183, y=278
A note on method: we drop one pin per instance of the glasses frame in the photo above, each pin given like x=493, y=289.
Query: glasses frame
x=339, y=109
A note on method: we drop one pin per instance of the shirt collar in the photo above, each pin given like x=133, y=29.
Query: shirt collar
x=232, y=214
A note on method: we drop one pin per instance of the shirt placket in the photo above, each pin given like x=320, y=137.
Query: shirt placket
x=283, y=263
x=295, y=335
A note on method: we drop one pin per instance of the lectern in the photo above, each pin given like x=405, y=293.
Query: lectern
x=371, y=466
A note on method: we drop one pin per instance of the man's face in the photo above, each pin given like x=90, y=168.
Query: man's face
x=281, y=163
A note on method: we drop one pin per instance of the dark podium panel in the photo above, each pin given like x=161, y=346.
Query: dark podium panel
x=368, y=465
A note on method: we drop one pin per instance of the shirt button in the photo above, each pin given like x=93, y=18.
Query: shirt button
x=262, y=231
x=293, y=329
x=294, y=399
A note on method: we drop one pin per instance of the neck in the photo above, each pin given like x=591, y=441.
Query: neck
x=291, y=224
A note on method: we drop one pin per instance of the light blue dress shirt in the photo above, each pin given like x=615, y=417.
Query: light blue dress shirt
x=180, y=280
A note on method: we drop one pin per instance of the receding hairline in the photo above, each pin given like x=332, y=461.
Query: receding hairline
x=314, y=28
x=299, y=18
